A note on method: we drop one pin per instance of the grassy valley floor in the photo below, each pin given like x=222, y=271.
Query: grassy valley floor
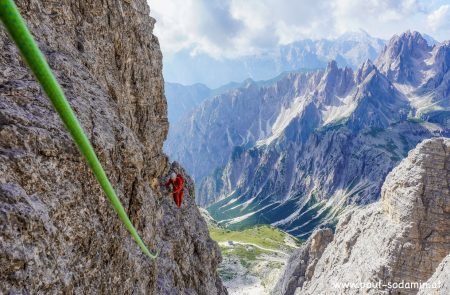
x=252, y=258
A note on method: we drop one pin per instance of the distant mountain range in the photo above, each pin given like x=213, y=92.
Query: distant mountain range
x=296, y=150
x=182, y=99
x=350, y=49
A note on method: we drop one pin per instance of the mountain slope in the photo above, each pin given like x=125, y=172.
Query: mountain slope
x=205, y=139
x=348, y=131
x=401, y=238
x=182, y=99
x=58, y=233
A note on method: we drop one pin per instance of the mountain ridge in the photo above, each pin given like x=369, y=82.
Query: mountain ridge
x=349, y=49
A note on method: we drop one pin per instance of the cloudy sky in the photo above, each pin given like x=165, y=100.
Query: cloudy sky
x=230, y=28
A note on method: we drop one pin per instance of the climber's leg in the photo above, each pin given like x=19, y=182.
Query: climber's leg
x=175, y=198
x=180, y=197
x=178, y=200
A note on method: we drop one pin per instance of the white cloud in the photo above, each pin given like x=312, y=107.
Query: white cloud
x=381, y=18
x=195, y=24
x=440, y=18
x=228, y=28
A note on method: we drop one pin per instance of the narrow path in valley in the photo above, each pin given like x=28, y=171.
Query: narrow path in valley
x=226, y=244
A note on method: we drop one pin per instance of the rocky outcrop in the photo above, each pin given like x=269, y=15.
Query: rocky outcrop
x=439, y=283
x=402, y=238
x=301, y=264
x=58, y=233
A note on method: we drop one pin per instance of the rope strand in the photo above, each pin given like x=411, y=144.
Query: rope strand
x=16, y=27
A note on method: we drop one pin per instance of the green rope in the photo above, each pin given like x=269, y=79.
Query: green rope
x=19, y=32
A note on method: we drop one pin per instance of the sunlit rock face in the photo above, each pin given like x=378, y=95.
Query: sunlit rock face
x=404, y=237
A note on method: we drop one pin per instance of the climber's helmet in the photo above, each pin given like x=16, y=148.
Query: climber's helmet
x=173, y=175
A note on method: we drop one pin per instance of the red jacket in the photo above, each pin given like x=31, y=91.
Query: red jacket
x=177, y=184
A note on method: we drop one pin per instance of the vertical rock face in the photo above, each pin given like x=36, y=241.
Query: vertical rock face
x=417, y=194
x=403, y=237
x=301, y=264
x=57, y=231
x=440, y=279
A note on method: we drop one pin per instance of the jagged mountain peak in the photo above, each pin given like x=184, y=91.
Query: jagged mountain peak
x=334, y=69
x=403, y=56
x=379, y=103
x=408, y=44
x=364, y=70
x=419, y=71
x=336, y=81
x=410, y=40
x=332, y=66
x=442, y=56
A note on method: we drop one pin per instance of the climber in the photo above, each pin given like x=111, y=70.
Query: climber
x=177, y=182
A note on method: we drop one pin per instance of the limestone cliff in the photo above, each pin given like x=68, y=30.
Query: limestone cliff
x=403, y=237
x=440, y=278
x=58, y=234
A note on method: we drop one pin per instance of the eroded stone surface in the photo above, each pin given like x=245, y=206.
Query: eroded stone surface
x=58, y=233
x=439, y=283
x=301, y=264
x=403, y=237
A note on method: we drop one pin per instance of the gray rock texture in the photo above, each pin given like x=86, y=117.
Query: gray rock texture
x=439, y=283
x=403, y=237
x=58, y=233
x=301, y=264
